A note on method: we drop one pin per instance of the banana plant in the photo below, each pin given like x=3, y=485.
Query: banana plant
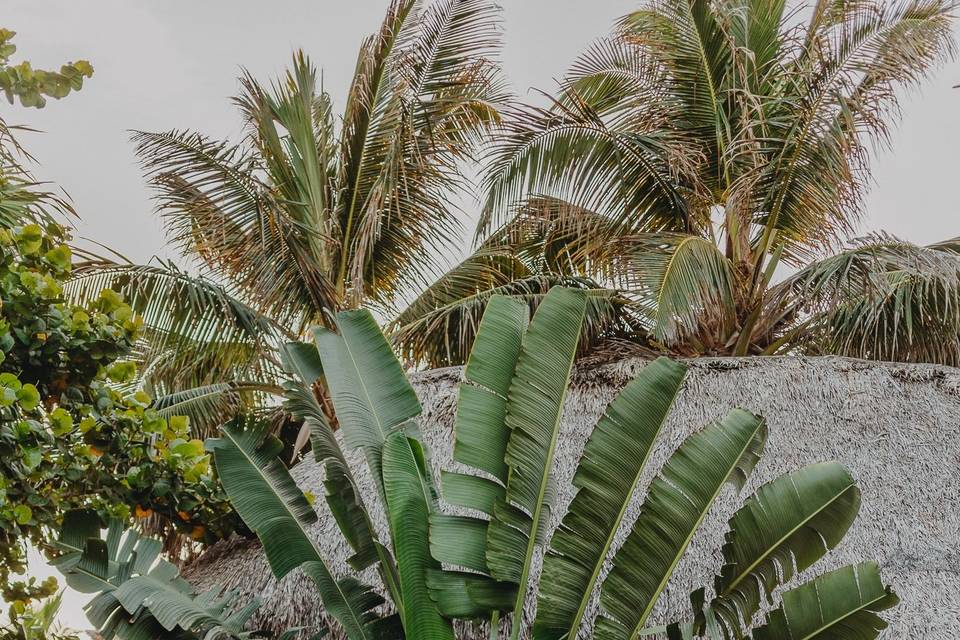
x=440, y=565
x=138, y=594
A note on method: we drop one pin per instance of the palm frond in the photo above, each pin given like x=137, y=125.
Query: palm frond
x=623, y=169
x=217, y=207
x=615, y=77
x=291, y=127
x=440, y=326
x=684, y=282
x=195, y=332
x=140, y=595
x=452, y=73
x=438, y=91
x=208, y=407
x=882, y=299
x=24, y=199
x=844, y=99
x=689, y=40
x=372, y=134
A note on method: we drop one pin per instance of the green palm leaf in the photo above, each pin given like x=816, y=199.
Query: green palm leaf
x=609, y=470
x=688, y=39
x=411, y=499
x=681, y=279
x=785, y=527
x=218, y=209
x=549, y=243
x=676, y=503
x=840, y=604
x=881, y=299
x=815, y=183
x=266, y=497
x=342, y=494
x=371, y=395
x=196, y=332
x=443, y=335
x=534, y=406
x=207, y=407
x=571, y=153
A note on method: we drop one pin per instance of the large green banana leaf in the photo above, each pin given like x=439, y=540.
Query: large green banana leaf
x=675, y=506
x=481, y=429
x=840, y=605
x=371, y=395
x=481, y=441
x=534, y=406
x=140, y=596
x=608, y=473
x=375, y=405
x=302, y=360
x=270, y=503
x=411, y=499
x=785, y=527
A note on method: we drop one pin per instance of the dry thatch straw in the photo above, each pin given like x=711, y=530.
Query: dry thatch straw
x=896, y=426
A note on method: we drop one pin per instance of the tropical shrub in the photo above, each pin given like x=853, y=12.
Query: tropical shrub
x=139, y=594
x=74, y=429
x=33, y=86
x=70, y=434
x=688, y=161
x=22, y=198
x=441, y=565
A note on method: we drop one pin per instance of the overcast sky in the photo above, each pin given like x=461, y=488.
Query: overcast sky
x=163, y=64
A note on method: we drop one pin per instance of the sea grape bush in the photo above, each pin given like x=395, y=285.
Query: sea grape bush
x=69, y=437
x=32, y=86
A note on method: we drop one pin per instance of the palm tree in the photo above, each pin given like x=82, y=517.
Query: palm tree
x=310, y=213
x=692, y=159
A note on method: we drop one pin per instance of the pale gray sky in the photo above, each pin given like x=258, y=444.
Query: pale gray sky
x=163, y=64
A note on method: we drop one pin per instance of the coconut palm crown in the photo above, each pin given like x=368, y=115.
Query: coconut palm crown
x=690, y=160
x=311, y=212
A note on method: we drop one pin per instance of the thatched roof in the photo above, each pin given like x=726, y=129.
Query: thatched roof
x=897, y=427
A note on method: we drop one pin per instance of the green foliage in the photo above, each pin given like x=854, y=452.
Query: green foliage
x=483, y=566
x=32, y=86
x=687, y=159
x=140, y=595
x=71, y=434
x=68, y=436
x=37, y=622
